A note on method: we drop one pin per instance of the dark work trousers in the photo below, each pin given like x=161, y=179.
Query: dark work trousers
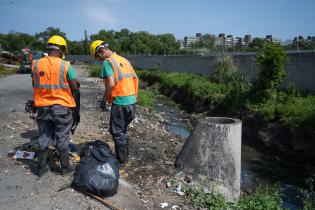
x=120, y=117
x=54, y=122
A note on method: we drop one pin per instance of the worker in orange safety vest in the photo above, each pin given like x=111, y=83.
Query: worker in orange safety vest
x=121, y=90
x=54, y=81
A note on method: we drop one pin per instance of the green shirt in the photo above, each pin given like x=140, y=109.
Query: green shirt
x=107, y=71
x=71, y=74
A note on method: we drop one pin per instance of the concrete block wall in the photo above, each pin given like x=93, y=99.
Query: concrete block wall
x=300, y=66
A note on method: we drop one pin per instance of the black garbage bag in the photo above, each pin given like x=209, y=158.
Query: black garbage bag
x=98, y=170
x=76, y=110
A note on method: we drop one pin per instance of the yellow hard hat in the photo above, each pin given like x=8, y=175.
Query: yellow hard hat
x=95, y=45
x=58, y=40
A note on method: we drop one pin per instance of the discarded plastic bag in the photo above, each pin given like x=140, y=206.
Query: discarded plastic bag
x=98, y=170
x=23, y=155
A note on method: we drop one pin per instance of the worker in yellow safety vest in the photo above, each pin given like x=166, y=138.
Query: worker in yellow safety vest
x=54, y=81
x=121, y=90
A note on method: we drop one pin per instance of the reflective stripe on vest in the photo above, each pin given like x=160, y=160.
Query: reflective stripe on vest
x=61, y=84
x=120, y=74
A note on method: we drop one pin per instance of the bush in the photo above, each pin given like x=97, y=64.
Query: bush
x=264, y=198
x=146, y=98
x=199, y=196
x=271, y=61
x=295, y=111
x=225, y=70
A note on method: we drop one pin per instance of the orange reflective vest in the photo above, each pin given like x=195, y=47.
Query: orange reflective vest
x=126, y=80
x=50, y=82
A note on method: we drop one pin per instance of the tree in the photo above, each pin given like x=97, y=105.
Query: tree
x=42, y=37
x=168, y=43
x=15, y=41
x=256, y=45
x=271, y=61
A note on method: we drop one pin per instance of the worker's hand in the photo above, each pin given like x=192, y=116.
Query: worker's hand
x=103, y=106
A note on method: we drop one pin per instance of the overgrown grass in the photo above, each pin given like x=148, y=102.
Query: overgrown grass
x=94, y=70
x=5, y=71
x=291, y=108
x=264, y=198
x=146, y=98
x=297, y=112
x=196, y=87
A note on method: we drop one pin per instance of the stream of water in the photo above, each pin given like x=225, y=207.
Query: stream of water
x=256, y=167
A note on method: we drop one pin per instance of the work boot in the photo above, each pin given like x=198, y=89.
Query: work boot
x=42, y=162
x=65, y=162
x=122, y=152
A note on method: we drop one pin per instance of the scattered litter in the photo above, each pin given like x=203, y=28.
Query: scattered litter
x=24, y=155
x=163, y=205
x=144, y=201
x=168, y=184
x=175, y=207
x=75, y=156
x=181, y=193
x=179, y=190
x=167, y=162
x=188, y=179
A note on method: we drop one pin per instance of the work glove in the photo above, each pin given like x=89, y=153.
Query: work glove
x=103, y=105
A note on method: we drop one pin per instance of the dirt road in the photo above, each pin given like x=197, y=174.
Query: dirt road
x=142, y=182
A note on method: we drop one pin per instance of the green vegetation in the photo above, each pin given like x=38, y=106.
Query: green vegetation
x=146, y=98
x=193, y=86
x=264, y=198
x=199, y=196
x=271, y=61
x=229, y=91
x=297, y=112
x=309, y=196
x=94, y=70
x=6, y=71
x=123, y=41
x=141, y=42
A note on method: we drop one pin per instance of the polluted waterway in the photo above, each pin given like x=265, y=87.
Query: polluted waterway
x=257, y=168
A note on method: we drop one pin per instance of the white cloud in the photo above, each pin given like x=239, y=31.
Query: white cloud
x=100, y=11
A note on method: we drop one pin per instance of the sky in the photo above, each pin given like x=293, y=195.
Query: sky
x=283, y=19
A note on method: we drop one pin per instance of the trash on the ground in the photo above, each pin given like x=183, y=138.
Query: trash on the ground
x=167, y=162
x=98, y=170
x=175, y=207
x=168, y=184
x=181, y=193
x=188, y=179
x=23, y=155
x=163, y=205
x=179, y=190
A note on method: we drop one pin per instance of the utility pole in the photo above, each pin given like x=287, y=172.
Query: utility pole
x=85, y=43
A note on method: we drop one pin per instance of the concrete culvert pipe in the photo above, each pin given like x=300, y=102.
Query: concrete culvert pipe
x=214, y=150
